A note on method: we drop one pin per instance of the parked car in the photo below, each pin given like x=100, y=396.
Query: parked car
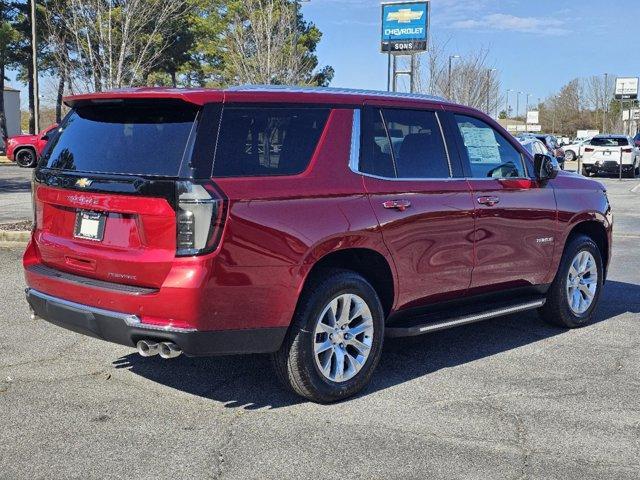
x=606, y=153
x=574, y=150
x=535, y=147
x=25, y=149
x=636, y=140
x=551, y=142
x=304, y=223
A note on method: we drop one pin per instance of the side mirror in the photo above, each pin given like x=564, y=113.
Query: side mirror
x=546, y=168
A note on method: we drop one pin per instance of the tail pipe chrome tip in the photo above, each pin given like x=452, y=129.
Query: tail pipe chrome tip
x=169, y=350
x=147, y=348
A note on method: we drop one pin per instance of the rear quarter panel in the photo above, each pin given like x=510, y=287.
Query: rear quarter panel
x=278, y=227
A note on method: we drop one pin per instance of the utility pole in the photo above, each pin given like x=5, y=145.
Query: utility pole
x=507, y=110
x=34, y=58
x=489, y=72
x=518, y=107
x=526, y=113
x=451, y=57
x=605, y=102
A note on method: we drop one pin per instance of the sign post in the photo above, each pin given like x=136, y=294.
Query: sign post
x=626, y=89
x=405, y=31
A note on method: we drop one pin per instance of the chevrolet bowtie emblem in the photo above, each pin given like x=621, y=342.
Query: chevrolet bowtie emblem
x=83, y=182
x=404, y=15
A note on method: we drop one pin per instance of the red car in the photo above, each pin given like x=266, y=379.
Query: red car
x=25, y=149
x=304, y=223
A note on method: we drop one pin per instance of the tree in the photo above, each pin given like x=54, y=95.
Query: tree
x=8, y=36
x=115, y=43
x=268, y=42
x=473, y=82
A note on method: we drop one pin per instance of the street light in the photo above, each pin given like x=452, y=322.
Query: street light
x=489, y=72
x=34, y=59
x=451, y=57
x=526, y=113
x=604, y=103
x=507, y=110
x=518, y=104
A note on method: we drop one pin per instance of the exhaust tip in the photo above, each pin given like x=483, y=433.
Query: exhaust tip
x=169, y=350
x=147, y=348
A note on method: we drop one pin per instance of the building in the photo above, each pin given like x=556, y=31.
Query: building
x=12, y=110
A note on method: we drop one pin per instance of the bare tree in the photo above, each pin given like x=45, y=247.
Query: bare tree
x=265, y=46
x=106, y=44
x=473, y=81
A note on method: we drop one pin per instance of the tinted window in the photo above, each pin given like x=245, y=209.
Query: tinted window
x=267, y=141
x=490, y=154
x=609, y=142
x=376, y=158
x=129, y=139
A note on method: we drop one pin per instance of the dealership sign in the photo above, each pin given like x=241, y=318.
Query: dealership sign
x=627, y=88
x=405, y=26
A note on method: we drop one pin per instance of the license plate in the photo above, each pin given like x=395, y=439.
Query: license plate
x=89, y=225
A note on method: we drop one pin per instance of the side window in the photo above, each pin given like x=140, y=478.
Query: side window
x=257, y=141
x=490, y=154
x=376, y=157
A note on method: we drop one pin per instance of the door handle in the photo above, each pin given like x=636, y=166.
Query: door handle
x=488, y=201
x=400, y=205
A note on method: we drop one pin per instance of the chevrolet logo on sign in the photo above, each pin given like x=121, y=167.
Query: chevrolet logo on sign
x=405, y=15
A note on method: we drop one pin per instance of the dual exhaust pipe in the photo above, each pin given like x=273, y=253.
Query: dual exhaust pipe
x=149, y=348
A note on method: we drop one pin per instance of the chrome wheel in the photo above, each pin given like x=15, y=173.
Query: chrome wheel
x=343, y=338
x=582, y=282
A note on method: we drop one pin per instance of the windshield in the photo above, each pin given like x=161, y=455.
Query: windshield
x=146, y=139
x=609, y=142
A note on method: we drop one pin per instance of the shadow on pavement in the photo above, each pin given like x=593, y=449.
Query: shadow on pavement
x=248, y=381
x=11, y=185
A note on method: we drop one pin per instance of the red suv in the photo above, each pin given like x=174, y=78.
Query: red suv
x=24, y=149
x=303, y=223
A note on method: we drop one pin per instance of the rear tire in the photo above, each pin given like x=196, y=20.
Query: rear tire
x=585, y=172
x=26, y=158
x=319, y=359
x=569, y=155
x=574, y=294
x=632, y=173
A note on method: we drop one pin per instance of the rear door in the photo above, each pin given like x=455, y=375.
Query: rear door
x=515, y=229
x=106, y=191
x=422, y=203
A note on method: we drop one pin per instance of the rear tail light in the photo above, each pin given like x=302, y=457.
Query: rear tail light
x=199, y=219
x=627, y=150
x=587, y=150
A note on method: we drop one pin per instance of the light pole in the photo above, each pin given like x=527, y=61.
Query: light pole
x=451, y=57
x=507, y=110
x=489, y=72
x=34, y=59
x=518, y=105
x=526, y=113
x=604, y=103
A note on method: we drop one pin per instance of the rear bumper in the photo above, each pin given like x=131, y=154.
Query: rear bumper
x=127, y=329
x=607, y=167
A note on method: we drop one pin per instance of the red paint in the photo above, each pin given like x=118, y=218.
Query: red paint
x=438, y=240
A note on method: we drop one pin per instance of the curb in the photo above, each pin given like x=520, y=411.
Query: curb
x=22, y=236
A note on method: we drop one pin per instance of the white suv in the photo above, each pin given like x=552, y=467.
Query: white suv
x=610, y=154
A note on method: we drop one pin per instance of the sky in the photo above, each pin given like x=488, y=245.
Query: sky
x=536, y=45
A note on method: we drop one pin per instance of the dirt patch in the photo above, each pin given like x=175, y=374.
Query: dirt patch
x=16, y=226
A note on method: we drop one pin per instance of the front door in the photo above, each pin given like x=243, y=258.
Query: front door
x=515, y=229
x=423, y=205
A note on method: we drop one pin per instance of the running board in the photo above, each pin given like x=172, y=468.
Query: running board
x=414, y=330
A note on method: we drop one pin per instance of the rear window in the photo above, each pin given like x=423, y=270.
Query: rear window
x=144, y=139
x=259, y=141
x=609, y=142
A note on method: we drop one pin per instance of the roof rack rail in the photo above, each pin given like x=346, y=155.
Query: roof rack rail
x=341, y=91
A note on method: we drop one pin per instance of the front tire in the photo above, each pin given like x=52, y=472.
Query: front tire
x=586, y=172
x=335, y=340
x=569, y=155
x=26, y=158
x=574, y=294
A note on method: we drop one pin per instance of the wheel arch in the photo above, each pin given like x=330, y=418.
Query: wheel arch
x=369, y=263
x=598, y=233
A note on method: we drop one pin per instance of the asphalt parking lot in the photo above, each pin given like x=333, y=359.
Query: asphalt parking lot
x=510, y=398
